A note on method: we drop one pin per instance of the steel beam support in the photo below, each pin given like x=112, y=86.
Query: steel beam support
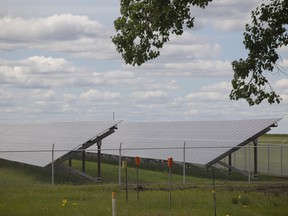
x=255, y=143
x=83, y=161
x=99, y=143
x=230, y=164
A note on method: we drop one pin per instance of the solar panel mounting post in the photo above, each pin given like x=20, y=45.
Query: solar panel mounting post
x=70, y=162
x=120, y=162
x=99, y=143
x=83, y=161
x=255, y=142
x=230, y=164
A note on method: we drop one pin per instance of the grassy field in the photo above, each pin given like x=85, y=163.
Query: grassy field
x=26, y=191
x=274, y=138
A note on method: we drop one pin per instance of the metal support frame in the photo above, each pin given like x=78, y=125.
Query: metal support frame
x=230, y=164
x=86, y=145
x=239, y=146
x=99, y=143
x=97, y=139
x=83, y=161
x=255, y=142
x=232, y=168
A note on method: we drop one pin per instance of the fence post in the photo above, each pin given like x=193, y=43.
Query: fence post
x=268, y=158
x=245, y=158
x=170, y=163
x=137, y=164
x=214, y=191
x=255, y=143
x=235, y=159
x=113, y=204
x=184, y=163
x=120, y=164
x=281, y=158
x=249, y=177
x=124, y=166
x=52, y=164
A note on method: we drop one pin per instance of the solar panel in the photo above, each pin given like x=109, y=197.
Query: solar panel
x=205, y=141
x=32, y=143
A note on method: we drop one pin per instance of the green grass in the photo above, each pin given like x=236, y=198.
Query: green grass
x=274, y=138
x=26, y=191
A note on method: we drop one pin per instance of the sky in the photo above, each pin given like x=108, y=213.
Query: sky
x=58, y=63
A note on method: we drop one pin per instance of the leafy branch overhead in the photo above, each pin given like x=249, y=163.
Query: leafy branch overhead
x=145, y=25
x=268, y=32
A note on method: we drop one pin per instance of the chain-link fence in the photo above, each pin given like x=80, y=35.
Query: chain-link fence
x=272, y=159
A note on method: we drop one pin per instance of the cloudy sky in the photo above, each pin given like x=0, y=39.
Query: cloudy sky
x=57, y=63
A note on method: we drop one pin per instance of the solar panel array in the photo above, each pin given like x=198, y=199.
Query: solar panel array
x=32, y=143
x=204, y=140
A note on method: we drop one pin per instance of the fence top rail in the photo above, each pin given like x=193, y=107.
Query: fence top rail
x=270, y=144
x=260, y=145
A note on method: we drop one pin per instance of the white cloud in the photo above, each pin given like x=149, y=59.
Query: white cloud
x=67, y=97
x=206, y=96
x=164, y=85
x=94, y=94
x=221, y=86
x=187, y=55
x=38, y=72
x=126, y=79
x=231, y=25
x=42, y=95
x=226, y=15
x=282, y=84
x=210, y=96
x=76, y=35
x=48, y=72
x=197, y=68
x=99, y=48
x=42, y=64
x=183, y=52
x=56, y=27
x=159, y=95
x=116, y=74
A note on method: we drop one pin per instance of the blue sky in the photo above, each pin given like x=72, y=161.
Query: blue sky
x=57, y=63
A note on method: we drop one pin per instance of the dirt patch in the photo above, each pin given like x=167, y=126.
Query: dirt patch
x=271, y=188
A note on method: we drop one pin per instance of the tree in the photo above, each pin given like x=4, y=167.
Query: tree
x=267, y=33
x=145, y=25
